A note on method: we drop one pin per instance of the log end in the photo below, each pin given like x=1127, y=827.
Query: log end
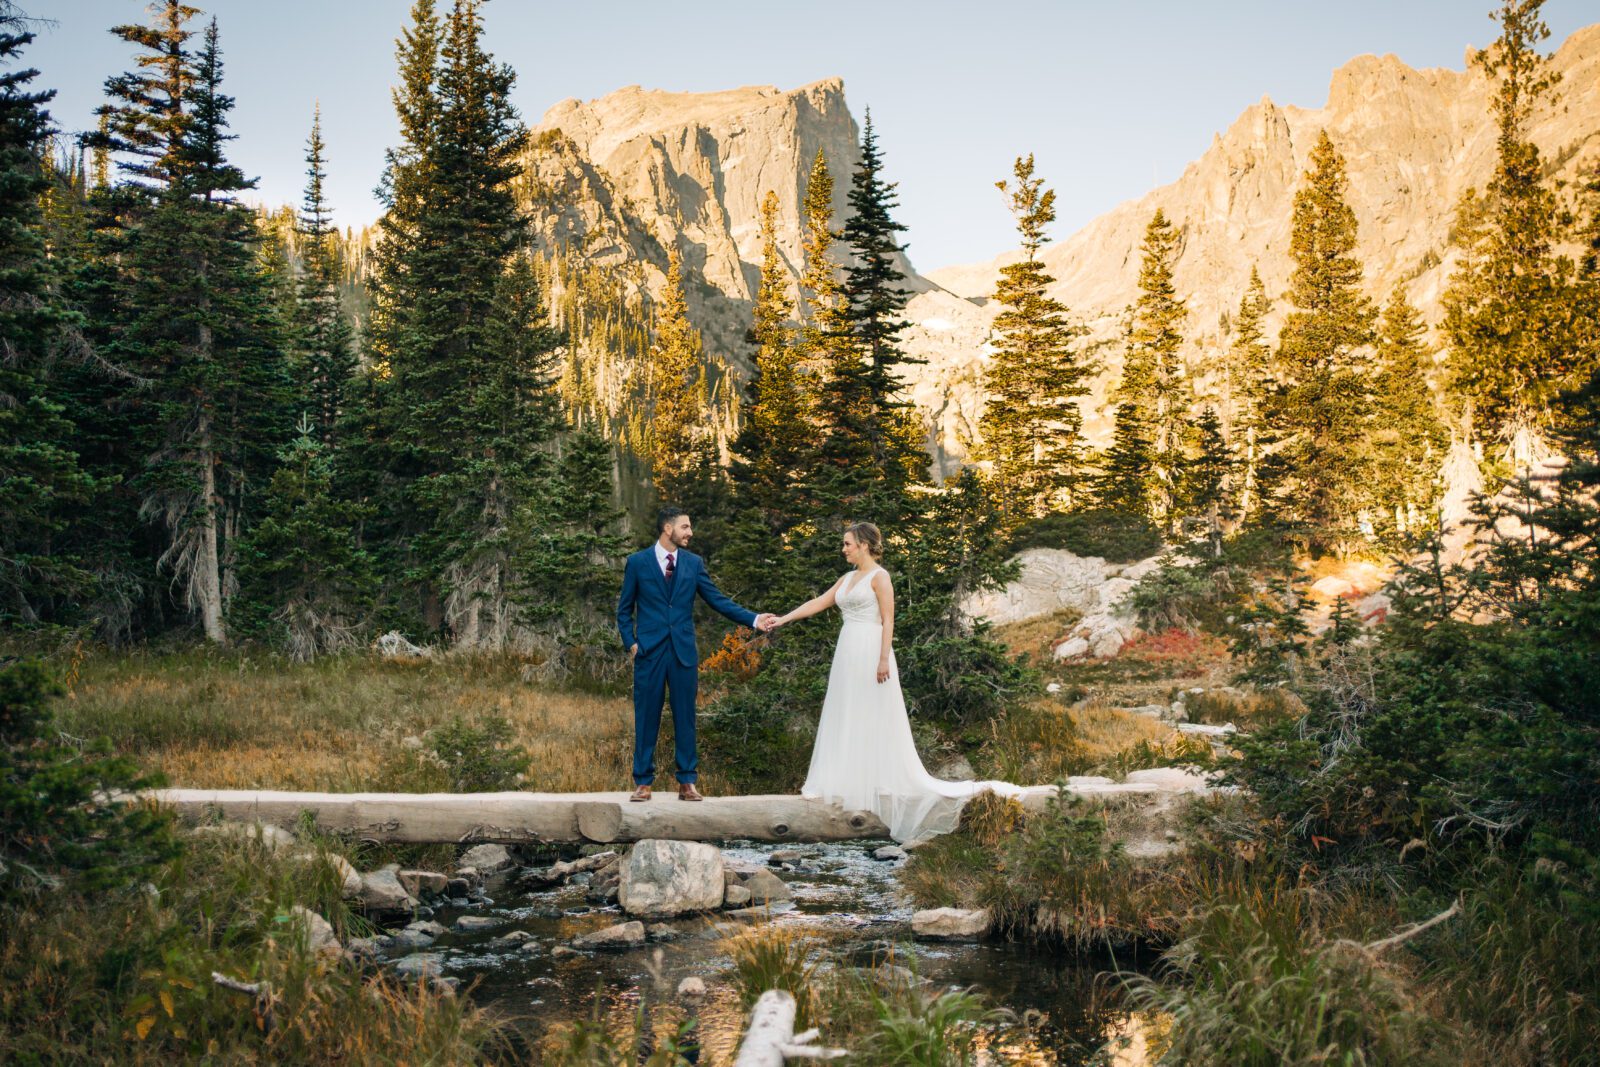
x=599, y=821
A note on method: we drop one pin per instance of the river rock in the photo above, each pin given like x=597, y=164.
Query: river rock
x=562, y=952
x=889, y=852
x=421, y=965
x=665, y=878
x=950, y=924
x=381, y=891
x=420, y=883
x=662, y=932
x=766, y=887
x=486, y=859
x=468, y=924
x=319, y=935
x=620, y=936
x=361, y=949
x=785, y=855
x=736, y=896
x=692, y=986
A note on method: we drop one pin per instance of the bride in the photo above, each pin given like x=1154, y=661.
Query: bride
x=864, y=757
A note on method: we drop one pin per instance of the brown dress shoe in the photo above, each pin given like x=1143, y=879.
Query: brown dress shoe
x=642, y=793
x=687, y=791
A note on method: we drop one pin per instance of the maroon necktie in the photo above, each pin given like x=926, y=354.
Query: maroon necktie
x=672, y=566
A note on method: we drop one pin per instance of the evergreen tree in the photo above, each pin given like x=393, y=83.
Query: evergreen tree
x=1155, y=342
x=1123, y=482
x=325, y=339
x=1208, y=479
x=822, y=328
x=1031, y=426
x=1506, y=319
x=1319, y=412
x=677, y=428
x=776, y=442
x=42, y=485
x=196, y=319
x=463, y=405
x=305, y=581
x=1247, y=381
x=871, y=441
x=1408, y=441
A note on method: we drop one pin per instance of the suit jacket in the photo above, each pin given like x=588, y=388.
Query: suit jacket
x=646, y=617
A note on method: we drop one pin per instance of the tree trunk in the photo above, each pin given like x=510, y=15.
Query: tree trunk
x=208, y=577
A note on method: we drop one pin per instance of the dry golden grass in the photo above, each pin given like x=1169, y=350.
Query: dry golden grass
x=240, y=721
x=1034, y=637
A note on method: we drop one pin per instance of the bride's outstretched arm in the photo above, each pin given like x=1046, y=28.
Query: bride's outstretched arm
x=812, y=606
x=885, y=590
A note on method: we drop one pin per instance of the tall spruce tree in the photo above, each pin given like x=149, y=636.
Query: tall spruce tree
x=775, y=442
x=872, y=440
x=1506, y=319
x=1031, y=425
x=1124, y=481
x=42, y=484
x=1320, y=412
x=1408, y=439
x=1247, y=381
x=678, y=398
x=196, y=320
x=464, y=404
x=325, y=340
x=1167, y=396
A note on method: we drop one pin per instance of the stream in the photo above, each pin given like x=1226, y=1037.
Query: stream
x=845, y=899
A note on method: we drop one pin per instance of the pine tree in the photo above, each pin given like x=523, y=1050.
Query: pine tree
x=677, y=391
x=197, y=322
x=463, y=408
x=305, y=580
x=1408, y=441
x=1506, y=308
x=1208, y=479
x=871, y=442
x=822, y=328
x=42, y=484
x=776, y=442
x=325, y=339
x=1247, y=382
x=1157, y=335
x=1320, y=411
x=1031, y=426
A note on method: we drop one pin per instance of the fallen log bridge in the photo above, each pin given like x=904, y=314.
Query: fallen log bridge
x=510, y=818
x=603, y=818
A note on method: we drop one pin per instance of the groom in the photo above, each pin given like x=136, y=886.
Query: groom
x=655, y=615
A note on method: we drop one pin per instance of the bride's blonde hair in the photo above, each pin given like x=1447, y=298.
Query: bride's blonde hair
x=867, y=535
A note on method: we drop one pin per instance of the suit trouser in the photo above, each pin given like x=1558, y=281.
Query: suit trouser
x=654, y=676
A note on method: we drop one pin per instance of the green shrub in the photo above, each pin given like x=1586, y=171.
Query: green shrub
x=479, y=757
x=1114, y=536
x=59, y=827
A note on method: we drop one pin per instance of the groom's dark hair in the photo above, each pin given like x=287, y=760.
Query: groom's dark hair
x=666, y=516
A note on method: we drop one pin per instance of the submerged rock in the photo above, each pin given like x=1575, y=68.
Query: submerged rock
x=422, y=965
x=766, y=887
x=889, y=852
x=620, y=936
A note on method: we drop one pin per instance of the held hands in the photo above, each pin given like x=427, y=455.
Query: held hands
x=767, y=622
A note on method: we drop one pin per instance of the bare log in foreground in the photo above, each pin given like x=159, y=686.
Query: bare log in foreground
x=508, y=818
x=770, y=1039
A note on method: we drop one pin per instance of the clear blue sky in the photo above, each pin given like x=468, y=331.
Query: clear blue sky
x=1112, y=98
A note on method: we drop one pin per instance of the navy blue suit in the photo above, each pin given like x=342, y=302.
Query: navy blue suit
x=659, y=617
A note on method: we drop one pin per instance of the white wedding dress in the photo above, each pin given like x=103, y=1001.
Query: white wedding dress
x=864, y=758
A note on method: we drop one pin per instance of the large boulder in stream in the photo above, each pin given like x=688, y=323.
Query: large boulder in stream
x=666, y=878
